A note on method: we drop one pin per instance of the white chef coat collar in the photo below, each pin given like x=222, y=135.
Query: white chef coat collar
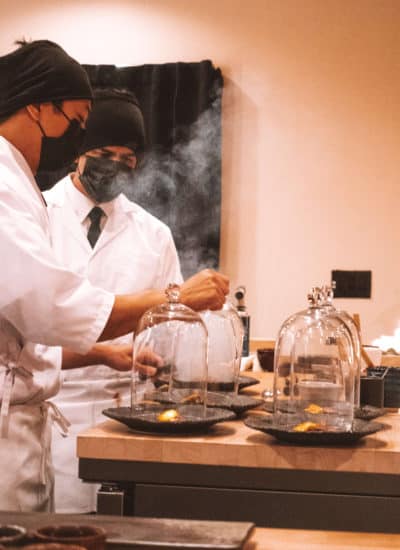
x=82, y=204
x=20, y=160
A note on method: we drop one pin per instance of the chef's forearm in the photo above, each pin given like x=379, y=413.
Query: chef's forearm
x=204, y=290
x=127, y=311
x=98, y=355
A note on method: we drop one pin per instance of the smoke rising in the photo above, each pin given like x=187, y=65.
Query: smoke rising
x=182, y=188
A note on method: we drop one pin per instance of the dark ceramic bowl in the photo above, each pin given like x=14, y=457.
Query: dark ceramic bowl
x=11, y=534
x=265, y=358
x=88, y=536
x=53, y=546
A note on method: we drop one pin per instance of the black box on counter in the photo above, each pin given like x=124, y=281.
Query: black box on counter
x=378, y=380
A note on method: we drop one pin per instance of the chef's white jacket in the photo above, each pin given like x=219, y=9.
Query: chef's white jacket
x=135, y=252
x=41, y=304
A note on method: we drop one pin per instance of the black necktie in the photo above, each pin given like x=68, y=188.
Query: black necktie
x=94, y=229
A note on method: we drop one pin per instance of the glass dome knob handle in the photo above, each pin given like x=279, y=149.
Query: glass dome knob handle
x=328, y=293
x=314, y=297
x=173, y=293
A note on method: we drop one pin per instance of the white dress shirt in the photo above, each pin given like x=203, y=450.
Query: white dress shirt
x=135, y=252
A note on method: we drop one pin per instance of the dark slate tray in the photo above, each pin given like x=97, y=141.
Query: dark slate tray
x=244, y=382
x=191, y=420
x=247, y=381
x=368, y=412
x=124, y=533
x=236, y=403
x=365, y=412
x=360, y=429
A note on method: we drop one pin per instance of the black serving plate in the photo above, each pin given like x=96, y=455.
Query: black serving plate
x=365, y=412
x=244, y=382
x=191, y=419
x=269, y=407
x=368, y=412
x=360, y=429
x=247, y=381
x=236, y=403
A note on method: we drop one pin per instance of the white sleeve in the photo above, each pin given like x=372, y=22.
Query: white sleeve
x=45, y=302
x=170, y=269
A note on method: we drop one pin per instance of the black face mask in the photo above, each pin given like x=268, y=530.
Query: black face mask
x=105, y=179
x=57, y=152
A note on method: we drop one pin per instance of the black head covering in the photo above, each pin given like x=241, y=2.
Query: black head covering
x=40, y=72
x=115, y=119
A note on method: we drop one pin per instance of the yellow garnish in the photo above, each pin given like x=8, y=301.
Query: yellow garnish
x=308, y=427
x=314, y=409
x=170, y=415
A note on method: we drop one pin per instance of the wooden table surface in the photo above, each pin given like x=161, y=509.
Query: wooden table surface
x=296, y=539
x=234, y=444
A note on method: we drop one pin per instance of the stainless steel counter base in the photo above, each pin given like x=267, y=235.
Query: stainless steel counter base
x=299, y=499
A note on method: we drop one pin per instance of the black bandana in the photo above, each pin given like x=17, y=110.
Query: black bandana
x=40, y=72
x=115, y=119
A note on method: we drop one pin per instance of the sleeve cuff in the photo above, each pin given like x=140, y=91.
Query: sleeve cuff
x=90, y=338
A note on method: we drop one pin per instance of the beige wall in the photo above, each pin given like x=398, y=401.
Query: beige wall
x=311, y=130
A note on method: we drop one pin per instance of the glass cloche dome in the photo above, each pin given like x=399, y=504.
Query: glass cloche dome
x=327, y=294
x=170, y=348
x=315, y=371
x=225, y=342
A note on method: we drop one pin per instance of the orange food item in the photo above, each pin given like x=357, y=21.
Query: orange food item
x=192, y=398
x=308, y=427
x=170, y=415
x=314, y=409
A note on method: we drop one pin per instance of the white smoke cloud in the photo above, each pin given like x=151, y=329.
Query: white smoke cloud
x=389, y=343
x=182, y=188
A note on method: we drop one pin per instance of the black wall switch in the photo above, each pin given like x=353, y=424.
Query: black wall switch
x=352, y=284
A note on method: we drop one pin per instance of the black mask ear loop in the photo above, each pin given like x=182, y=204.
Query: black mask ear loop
x=41, y=129
x=79, y=171
x=59, y=109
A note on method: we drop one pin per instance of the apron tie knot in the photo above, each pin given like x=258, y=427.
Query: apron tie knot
x=58, y=418
x=9, y=368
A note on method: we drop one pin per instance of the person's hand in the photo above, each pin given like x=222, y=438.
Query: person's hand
x=119, y=356
x=147, y=363
x=205, y=290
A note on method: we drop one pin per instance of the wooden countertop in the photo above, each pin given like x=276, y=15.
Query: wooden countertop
x=390, y=360
x=234, y=444
x=296, y=539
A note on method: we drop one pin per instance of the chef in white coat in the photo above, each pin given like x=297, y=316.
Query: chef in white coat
x=45, y=98
x=129, y=250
